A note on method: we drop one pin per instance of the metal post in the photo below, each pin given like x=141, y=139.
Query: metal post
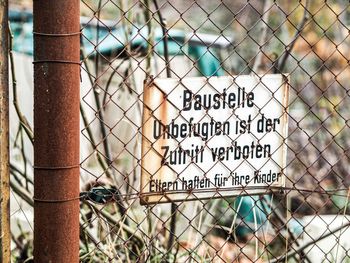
x=5, y=238
x=56, y=130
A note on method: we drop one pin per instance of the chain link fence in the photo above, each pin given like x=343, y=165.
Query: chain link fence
x=124, y=42
x=124, y=45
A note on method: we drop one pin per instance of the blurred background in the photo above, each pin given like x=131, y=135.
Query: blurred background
x=122, y=42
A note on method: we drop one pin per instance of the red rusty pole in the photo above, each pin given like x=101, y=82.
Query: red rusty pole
x=56, y=130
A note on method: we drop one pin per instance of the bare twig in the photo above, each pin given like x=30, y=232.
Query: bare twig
x=86, y=122
x=22, y=119
x=24, y=158
x=100, y=160
x=150, y=45
x=280, y=218
x=264, y=26
x=15, y=177
x=15, y=169
x=165, y=39
x=93, y=143
x=119, y=200
x=22, y=192
x=281, y=63
x=109, y=81
x=312, y=242
x=96, y=92
x=119, y=223
x=344, y=214
x=168, y=73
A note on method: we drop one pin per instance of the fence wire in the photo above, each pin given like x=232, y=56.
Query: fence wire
x=124, y=43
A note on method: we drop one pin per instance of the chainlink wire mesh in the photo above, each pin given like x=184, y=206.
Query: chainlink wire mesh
x=125, y=42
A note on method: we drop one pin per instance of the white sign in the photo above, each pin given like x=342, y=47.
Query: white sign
x=213, y=137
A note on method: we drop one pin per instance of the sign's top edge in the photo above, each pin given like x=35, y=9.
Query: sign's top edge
x=264, y=76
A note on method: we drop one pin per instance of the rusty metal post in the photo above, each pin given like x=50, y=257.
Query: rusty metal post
x=5, y=238
x=56, y=130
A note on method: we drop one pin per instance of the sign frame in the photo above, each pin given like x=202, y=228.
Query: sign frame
x=155, y=101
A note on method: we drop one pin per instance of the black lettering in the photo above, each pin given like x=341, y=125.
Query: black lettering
x=216, y=99
x=166, y=150
x=187, y=100
x=250, y=99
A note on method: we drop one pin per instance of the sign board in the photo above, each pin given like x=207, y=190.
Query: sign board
x=213, y=137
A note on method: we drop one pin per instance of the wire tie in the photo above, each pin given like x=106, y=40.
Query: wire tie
x=40, y=34
x=57, y=61
x=56, y=167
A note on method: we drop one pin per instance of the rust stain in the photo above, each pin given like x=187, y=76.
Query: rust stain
x=56, y=130
x=156, y=107
x=285, y=101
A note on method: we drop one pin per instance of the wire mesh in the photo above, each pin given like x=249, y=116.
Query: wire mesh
x=123, y=43
x=126, y=42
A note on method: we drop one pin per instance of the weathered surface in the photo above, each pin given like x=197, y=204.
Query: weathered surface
x=56, y=130
x=4, y=138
